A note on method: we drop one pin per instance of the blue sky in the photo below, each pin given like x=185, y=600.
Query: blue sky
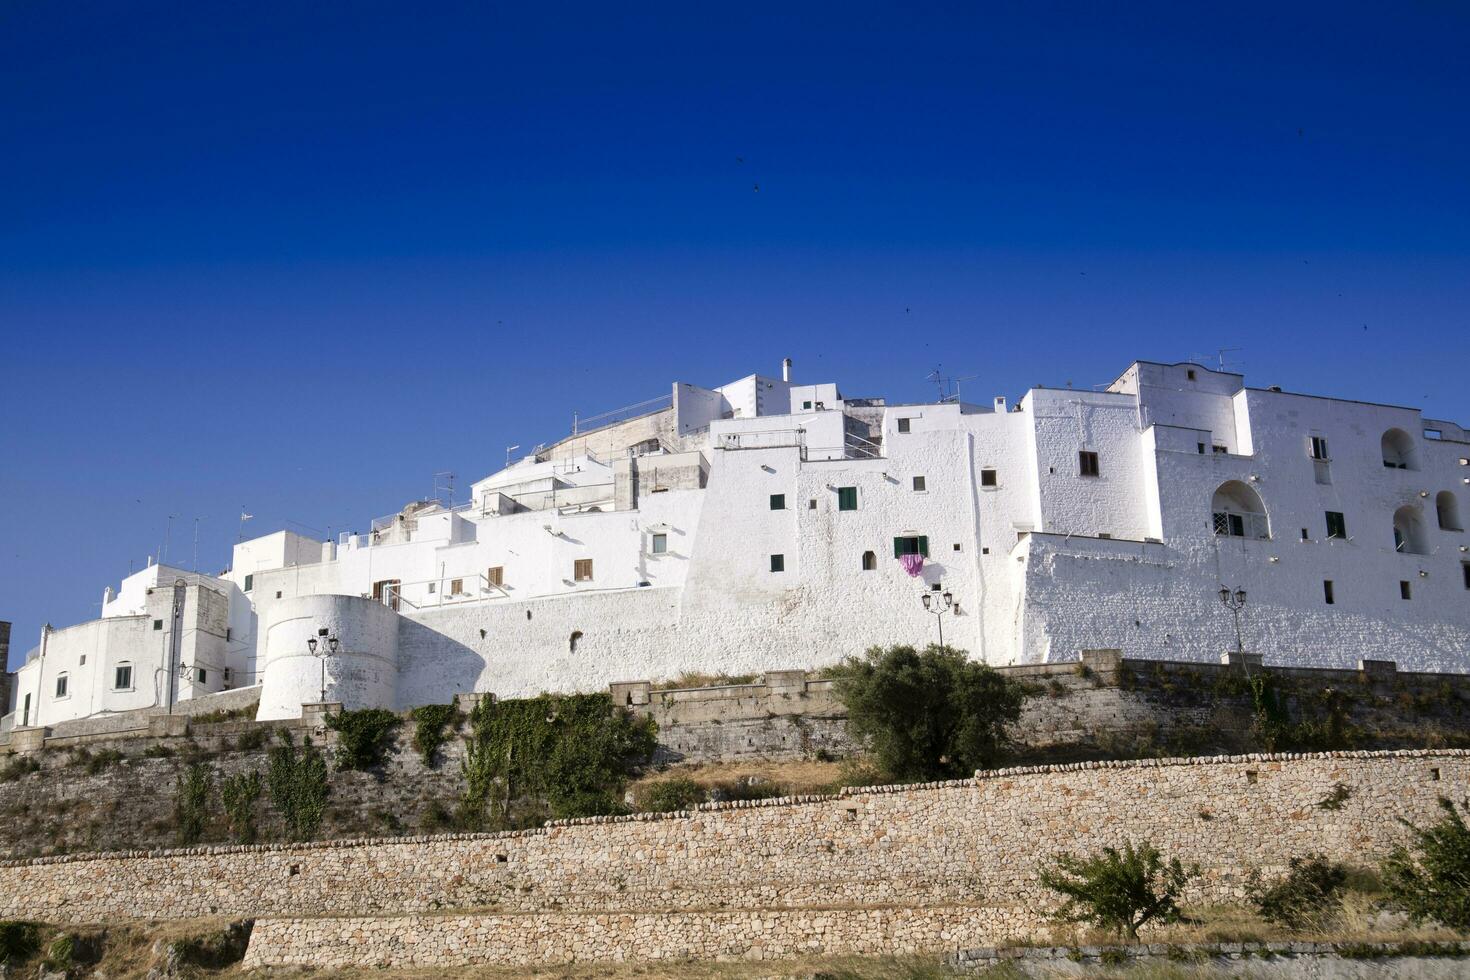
x=299, y=257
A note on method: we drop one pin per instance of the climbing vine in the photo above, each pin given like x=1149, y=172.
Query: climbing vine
x=298, y=786
x=362, y=737
x=1324, y=726
x=429, y=734
x=191, y=802
x=239, y=794
x=549, y=756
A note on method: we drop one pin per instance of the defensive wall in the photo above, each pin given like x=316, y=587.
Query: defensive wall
x=938, y=866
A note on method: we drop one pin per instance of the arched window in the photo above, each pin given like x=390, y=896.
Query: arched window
x=1238, y=512
x=575, y=638
x=1408, y=531
x=1398, y=450
x=1447, y=509
x=870, y=561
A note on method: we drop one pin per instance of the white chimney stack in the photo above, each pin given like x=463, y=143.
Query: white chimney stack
x=786, y=370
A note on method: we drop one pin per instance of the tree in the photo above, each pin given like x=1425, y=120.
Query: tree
x=930, y=715
x=1310, y=893
x=1119, y=890
x=1431, y=880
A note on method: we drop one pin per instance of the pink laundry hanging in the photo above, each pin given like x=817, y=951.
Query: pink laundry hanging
x=913, y=564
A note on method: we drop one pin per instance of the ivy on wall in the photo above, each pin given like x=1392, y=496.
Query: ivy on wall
x=191, y=802
x=239, y=794
x=298, y=786
x=429, y=735
x=362, y=737
x=550, y=757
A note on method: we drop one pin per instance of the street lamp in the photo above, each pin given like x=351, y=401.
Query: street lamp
x=327, y=650
x=1235, y=602
x=927, y=598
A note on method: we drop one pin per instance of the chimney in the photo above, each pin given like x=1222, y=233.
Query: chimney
x=1000, y=403
x=786, y=370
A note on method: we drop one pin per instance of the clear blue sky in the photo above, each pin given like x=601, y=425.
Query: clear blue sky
x=298, y=257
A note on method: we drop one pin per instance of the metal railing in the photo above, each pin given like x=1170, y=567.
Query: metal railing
x=581, y=426
x=763, y=439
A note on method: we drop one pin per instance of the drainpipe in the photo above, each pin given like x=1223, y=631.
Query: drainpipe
x=174, y=641
x=41, y=673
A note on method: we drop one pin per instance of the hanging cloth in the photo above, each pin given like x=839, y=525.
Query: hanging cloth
x=913, y=564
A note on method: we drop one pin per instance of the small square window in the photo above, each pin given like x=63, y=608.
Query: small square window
x=847, y=498
x=1406, y=591
x=83, y=661
x=1200, y=448
x=249, y=583
x=919, y=485
x=203, y=675
x=1190, y=374
x=495, y=575
x=778, y=501
x=984, y=551
x=582, y=570
x=1327, y=594
x=957, y=547
x=987, y=478
x=433, y=587
x=1306, y=535
x=903, y=425
x=158, y=624
x=456, y=587
x=778, y=563
x=278, y=594
x=811, y=505
x=806, y=404
x=660, y=544
x=1087, y=463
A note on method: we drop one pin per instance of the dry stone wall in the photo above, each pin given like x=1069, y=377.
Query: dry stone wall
x=958, y=859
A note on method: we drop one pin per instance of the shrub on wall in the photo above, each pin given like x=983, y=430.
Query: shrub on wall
x=18, y=940
x=362, y=737
x=1430, y=879
x=239, y=794
x=298, y=786
x=1309, y=895
x=429, y=735
x=1118, y=890
x=930, y=715
x=668, y=795
x=191, y=802
x=550, y=756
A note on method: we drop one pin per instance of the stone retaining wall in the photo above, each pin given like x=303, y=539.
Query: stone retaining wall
x=972, y=842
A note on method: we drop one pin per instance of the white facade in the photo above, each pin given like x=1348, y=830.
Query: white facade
x=757, y=525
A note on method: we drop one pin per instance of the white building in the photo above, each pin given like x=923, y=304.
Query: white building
x=760, y=525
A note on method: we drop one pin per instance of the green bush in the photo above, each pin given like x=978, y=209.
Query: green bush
x=430, y=722
x=1118, y=890
x=239, y=794
x=1310, y=894
x=158, y=752
x=1430, y=880
x=362, y=737
x=191, y=802
x=298, y=786
x=930, y=715
x=18, y=940
x=253, y=738
x=667, y=795
x=550, y=756
x=20, y=766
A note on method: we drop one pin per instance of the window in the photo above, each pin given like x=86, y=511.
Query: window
x=806, y=404
x=1087, y=463
x=1447, y=509
x=386, y=591
x=778, y=501
x=778, y=563
x=911, y=545
x=987, y=478
x=582, y=570
x=1306, y=535
x=61, y=685
x=1408, y=531
x=847, y=498
x=495, y=575
x=1200, y=448
x=903, y=425
x=957, y=546
x=1189, y=374
x=249, y=582
x=1319, y=448
x=1465, y=573
x=1336, y=525
x=83, y=661
x=919, y=485
x=1398, y=450
x=1406, y=591
x=25, y=715
x=1327, y=592
x=1237, y=512
x=660, y=544
x=1219, y=450
x=573, y=640
x=203, y=676
x=811, y=504
x=433, y=587
x=158, y=624
x=456, y=586
x=122, y=678
x=870, y=561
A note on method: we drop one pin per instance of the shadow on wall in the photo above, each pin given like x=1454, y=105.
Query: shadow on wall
x=445, y=666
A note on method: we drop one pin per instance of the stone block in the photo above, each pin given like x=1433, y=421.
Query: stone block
x=469, y=700
x=28, y=739
x=1102, y=659
x=1378, y=666
x=1233, y=659
x=315, y=713
x=626, y=694
x=786, y=680
x=168, y=726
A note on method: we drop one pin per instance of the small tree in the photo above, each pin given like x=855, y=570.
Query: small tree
x=1311, y=893
x=1119, y=890
x=1431, y=880
x=930, y=715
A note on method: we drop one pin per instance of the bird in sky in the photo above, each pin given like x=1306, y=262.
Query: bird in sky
x=757, y=188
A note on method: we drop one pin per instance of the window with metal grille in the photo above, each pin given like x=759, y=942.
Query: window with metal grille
x=1087, y=463
x=582, y=570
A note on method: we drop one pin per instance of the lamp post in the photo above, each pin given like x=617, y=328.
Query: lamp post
x=938, y=611
x=328, y=648
x=1235, y=602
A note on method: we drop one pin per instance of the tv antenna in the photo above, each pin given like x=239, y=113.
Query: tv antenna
x=444, y=483
x=509, y=450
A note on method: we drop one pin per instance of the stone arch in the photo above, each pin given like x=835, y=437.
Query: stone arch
x=1408, y=531
x=1447, y=510
x=1399, y=452
x=1237, y=511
